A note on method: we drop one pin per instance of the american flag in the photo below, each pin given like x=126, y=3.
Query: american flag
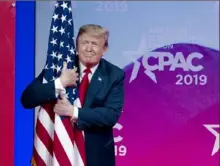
x=54, y=142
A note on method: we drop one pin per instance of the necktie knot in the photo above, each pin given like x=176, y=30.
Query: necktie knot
x=87, y=71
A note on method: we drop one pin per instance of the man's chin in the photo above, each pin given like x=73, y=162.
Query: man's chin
x=89, y=64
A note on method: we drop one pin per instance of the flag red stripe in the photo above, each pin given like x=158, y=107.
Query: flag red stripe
x=60, y=153
x=44, y=137
x=69, y=128
x=49, y=109
x=80, y=144
x=78, y=136
x=38, y=159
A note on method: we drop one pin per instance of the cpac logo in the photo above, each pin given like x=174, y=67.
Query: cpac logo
x=119, y=138
x=166, y=59
x=120, y=148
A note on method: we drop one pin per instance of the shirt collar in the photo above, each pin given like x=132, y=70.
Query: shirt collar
x=83, y=67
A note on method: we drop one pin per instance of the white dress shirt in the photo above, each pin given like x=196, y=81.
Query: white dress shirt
x=59, y=87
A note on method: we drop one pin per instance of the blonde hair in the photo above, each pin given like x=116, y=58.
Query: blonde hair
x=94, y=30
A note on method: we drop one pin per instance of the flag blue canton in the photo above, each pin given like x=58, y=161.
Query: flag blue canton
x=61, y=45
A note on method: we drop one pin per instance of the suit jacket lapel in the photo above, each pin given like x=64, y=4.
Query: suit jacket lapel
x=98, y=80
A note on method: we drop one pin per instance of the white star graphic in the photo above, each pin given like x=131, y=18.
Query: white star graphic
x=68, y=59
x=70, y=10
x=54, y=41
x=211, y=128
x=143, y=49
x=99, y=79
x=53, y=67
x=134, y=55
x=54, y=29
x=53, y=78
x=58, y=68
x=63, y=18
x=64, y=5
x=46, y=67
x=68, y=46
x=72, y=50
x=62, y=31
x=69, y=21
x=61, y=44
x=56, y=5
x=54, y=54
x=67, y=95
x=55, y=16
x=59, y=56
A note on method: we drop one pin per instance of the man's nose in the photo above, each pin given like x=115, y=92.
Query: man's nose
x=89, y=47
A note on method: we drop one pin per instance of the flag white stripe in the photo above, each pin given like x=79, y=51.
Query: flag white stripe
x=45, y=120
x=42, y=150
x=64, y=138
x=77, y=157
x=55, y=162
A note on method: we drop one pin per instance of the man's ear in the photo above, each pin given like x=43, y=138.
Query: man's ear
x=104, y=50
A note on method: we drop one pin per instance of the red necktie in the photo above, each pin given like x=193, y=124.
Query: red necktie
x=84, y=86
x=78, y=134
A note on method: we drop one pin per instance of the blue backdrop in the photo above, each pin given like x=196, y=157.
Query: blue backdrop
x=25, y=51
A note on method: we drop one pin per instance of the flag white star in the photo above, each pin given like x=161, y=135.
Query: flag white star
x=99, y=79
x=58, y=68
x=54, y=41
x=70, y=10
x=46, y=67
x=67, y=95
x=63, y=18
x=71, y=50
x=54, y=54
x=53, y=67
x=55, y=16
x=59, y=56
x=69, y=21
x=54, y=29
x=53, y=78
x=211, y=128
x=68, y=46
x=56, y=5
x=68, y=59
x=62, y=31
x=64, y=5
x=61, y=44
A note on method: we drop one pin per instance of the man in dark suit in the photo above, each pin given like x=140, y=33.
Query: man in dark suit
x=104, y=98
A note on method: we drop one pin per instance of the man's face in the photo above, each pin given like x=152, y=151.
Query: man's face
x=90, y=49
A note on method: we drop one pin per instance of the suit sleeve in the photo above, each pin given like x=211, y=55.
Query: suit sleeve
x=37, y=93
x=108, y=115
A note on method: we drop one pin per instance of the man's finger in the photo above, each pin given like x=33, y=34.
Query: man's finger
x=62, y=95
x=64, y=65
x=75, y=68
x=59, y=102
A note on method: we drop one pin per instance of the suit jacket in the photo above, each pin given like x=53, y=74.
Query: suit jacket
x=101, y=110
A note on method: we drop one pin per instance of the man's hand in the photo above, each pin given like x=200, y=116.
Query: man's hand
x=63, y=107
x=68, y=77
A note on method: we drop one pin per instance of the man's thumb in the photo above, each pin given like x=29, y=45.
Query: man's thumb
x=62, y=95
x=64, y=66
